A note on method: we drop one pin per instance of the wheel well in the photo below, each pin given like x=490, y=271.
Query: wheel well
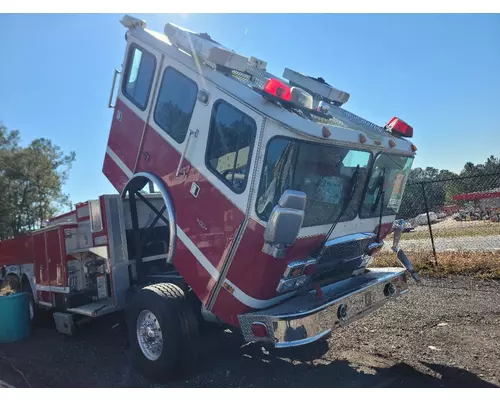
x=144, y=242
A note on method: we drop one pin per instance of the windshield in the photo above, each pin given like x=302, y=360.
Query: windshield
x=390, y=173
x=322, y=172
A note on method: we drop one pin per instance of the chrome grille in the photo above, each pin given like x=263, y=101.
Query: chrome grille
x=343, y=250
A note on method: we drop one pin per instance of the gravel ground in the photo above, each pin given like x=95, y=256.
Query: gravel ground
x=444, y=333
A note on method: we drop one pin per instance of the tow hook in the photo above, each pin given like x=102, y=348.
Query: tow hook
x=397, y=228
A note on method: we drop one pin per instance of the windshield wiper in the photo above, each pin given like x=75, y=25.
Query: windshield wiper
x=345, y=203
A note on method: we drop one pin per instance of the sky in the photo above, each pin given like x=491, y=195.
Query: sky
x=438, y=72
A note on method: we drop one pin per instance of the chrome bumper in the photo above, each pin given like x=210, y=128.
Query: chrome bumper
x=304, y=319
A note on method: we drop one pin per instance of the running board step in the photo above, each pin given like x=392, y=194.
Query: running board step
x=95, y=308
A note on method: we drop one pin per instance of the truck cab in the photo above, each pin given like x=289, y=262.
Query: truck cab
x=277, y=197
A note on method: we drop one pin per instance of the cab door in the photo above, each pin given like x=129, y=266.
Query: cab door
x=131, y=111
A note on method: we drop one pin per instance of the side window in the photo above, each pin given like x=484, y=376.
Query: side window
x=138, y=77
x=175, y=104
x=230, y=142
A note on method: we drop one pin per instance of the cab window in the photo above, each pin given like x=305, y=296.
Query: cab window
x=139, y=73
x=230, y=142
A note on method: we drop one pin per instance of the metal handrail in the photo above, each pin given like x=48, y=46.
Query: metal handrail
x=110, y=105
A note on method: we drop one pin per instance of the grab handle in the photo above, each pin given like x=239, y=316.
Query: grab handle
x=110, y=105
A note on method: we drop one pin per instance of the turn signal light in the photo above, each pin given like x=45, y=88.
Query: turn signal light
x=276, y=88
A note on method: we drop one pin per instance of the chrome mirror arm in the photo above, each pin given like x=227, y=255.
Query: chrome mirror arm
x=397, y=228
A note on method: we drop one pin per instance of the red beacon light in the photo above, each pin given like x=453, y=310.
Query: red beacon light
x=398, y=127
x=276, y=88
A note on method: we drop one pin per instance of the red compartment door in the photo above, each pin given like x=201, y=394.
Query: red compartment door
x=54, y=257
x=41, y=267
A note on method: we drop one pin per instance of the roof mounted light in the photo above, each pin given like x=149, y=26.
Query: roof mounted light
x=278, y=89
x=301, y=97
x=398, y=127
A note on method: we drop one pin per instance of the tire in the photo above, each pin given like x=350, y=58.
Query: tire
x=26, y=288
x=163, y=331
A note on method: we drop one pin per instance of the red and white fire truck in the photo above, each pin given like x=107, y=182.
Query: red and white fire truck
x=244, y=199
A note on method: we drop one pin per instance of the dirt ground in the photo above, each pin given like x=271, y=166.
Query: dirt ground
x=444, y=333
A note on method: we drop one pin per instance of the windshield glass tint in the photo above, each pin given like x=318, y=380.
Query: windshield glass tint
x=324, y=173
x=395, y=169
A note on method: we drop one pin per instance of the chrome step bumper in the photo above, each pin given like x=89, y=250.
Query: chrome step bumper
x=304, y=319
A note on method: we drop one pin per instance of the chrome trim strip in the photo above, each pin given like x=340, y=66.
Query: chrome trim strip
x=349, y=238
x=44, y=303
x=160, y=184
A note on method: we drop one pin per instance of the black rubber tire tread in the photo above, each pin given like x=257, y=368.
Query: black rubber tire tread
x=189, y=325
x=27, y=289
x=179, y=329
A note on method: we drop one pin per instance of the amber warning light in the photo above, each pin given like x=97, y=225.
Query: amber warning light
x=398, y=127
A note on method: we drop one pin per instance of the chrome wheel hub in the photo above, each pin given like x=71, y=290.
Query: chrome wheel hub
x=149, y=335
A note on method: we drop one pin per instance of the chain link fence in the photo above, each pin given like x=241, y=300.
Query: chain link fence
x=453, y=220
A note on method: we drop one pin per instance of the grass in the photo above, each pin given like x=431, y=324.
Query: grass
x=485, y=265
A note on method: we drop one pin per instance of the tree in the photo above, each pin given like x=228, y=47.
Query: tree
x=31, y=180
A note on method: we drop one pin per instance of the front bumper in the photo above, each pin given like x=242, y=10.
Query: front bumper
x=304, y=319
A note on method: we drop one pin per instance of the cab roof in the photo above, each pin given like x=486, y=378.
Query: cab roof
x=343, y=126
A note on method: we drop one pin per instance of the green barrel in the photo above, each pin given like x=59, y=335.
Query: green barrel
x=14, y=317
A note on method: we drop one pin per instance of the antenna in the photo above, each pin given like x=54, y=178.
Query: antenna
x=239, y=44
x=241, y=40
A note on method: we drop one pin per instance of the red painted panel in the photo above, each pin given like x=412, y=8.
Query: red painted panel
x=125, y=135
x=258, y=274
x=115, y=175
x=210, y=220
x=18, y=250
x=54, y=259
x=193, y=272
x=227, y=308
x=41, y=268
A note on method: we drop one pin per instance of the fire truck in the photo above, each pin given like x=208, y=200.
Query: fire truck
x=244, y=199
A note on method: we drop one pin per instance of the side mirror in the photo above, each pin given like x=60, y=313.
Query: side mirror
x=284, y=223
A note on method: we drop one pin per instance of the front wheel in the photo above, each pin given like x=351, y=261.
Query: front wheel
x=163, y=331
